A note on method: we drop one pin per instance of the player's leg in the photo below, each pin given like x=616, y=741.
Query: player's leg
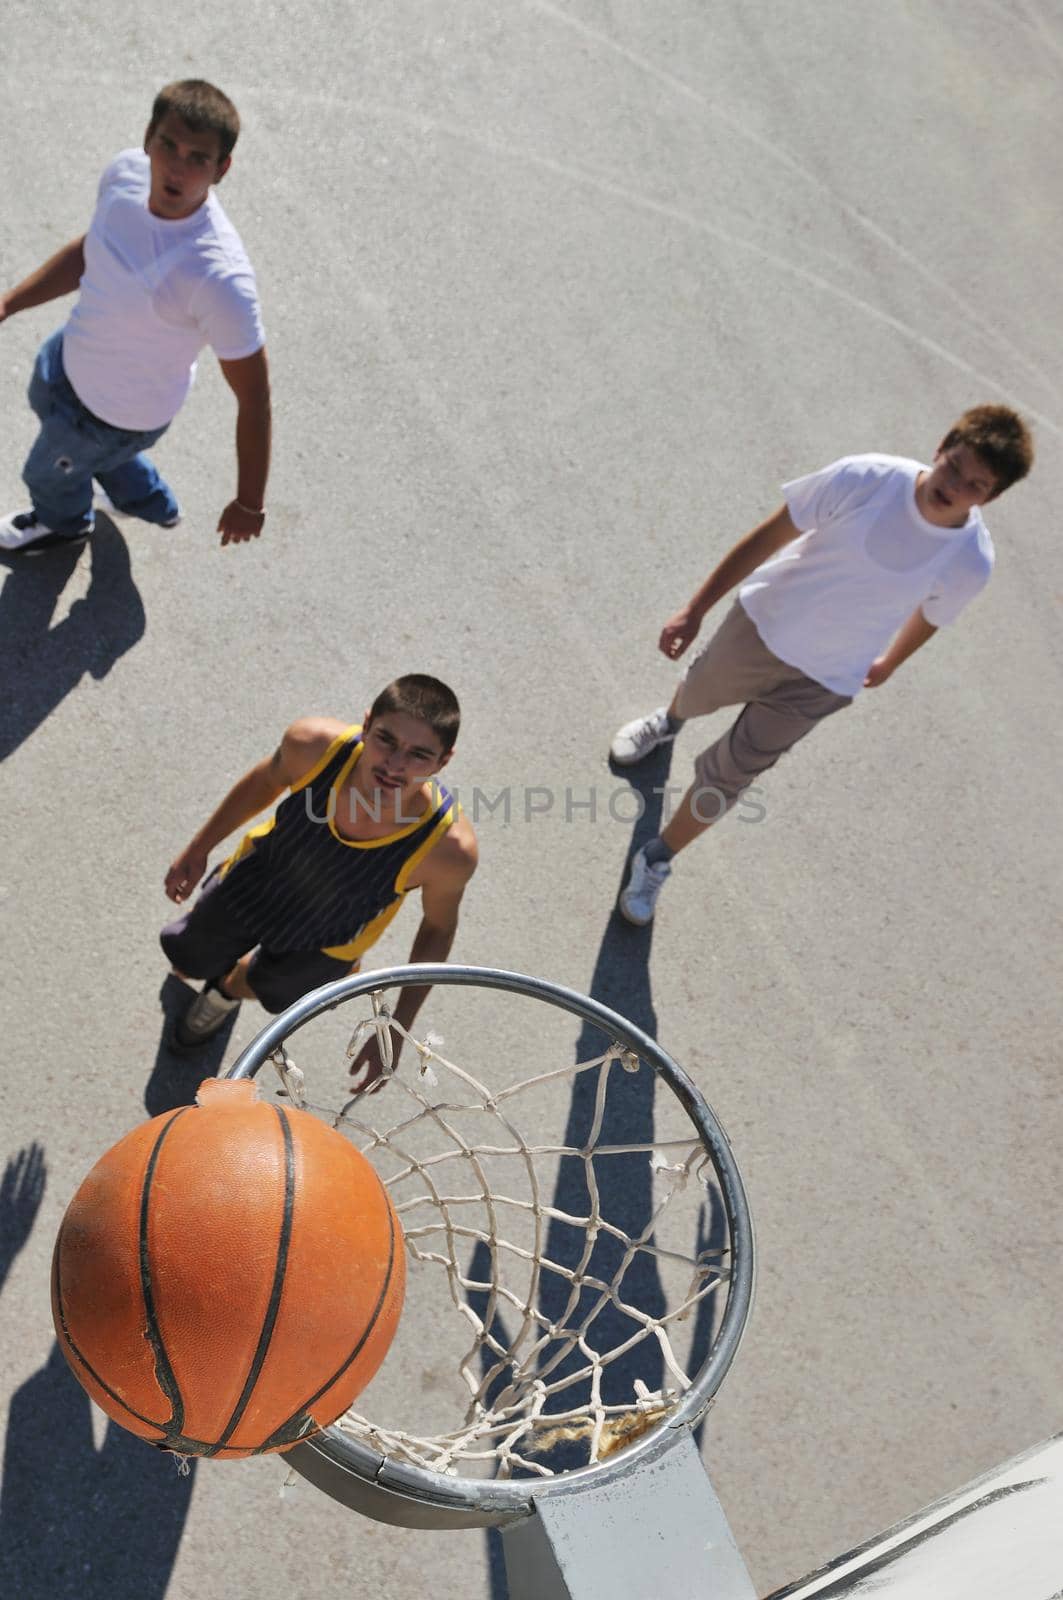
x=206, y=942
x=133, y=484
x=764, y=731
x=732, y=667
x=717, y=675
x=59, y=468
x=276, y=980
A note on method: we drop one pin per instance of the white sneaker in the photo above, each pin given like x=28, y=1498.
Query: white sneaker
x=209, y=1011
x=639, y=900
x=635, y=740
x=23, y=531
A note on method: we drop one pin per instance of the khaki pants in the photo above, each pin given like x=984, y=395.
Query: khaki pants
x=780, y=705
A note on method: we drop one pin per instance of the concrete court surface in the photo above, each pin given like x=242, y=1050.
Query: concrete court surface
x=556, y=296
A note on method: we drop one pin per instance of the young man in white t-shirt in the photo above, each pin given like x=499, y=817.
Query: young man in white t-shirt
x=854, y=573
x=161, y=273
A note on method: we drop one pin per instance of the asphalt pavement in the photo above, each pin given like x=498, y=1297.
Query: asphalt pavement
x=556, y=297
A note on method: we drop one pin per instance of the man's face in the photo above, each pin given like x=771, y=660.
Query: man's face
x=958, y=480
x=401, y=753
x=184, y=164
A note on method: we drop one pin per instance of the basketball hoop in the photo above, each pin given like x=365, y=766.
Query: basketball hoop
x=593, y=1328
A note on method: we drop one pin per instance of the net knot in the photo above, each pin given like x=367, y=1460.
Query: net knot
x=628, y=1059
x=676, y=1174
x=291, y=1076
x=426, y=1048
x=379, y=1024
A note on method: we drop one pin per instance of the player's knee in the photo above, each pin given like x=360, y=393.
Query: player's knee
x=40, y=475
x=274, y=990
x=719, y=780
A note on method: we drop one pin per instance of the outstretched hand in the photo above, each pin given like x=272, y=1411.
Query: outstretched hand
x=677, y=633
x=877, y=673
x=185, y=873
x=237, y=524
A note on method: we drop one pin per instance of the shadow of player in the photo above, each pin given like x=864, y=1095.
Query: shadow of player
x=177, y=1074
x=40, y=664
x=620, y=980
x=76, y=1522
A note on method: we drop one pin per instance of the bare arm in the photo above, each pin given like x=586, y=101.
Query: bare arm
x=60, y=275
x=441, y=896
x=912, y=637
x=764, y=542
x=249, y=381
x=300, y=749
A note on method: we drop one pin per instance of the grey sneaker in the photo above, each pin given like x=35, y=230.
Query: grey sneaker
x=209, y=1011
x=635, y=740
x=25, y=533
x=638, y=900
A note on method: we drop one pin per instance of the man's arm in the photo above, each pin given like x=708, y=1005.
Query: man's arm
x=302, y=746
x=912, y=637
x=60, y=275
x=764, y=542
x=249, y=381
x=450, y=866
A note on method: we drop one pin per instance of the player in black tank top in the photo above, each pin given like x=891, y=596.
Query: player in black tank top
x=307, y=892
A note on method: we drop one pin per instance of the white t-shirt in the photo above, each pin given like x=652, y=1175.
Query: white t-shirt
x=830, y=602
x=153, y=294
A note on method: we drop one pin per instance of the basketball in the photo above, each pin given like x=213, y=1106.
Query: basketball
x=228, y=1277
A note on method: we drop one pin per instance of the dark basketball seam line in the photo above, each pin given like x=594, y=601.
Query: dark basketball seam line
x=75, y=1350
x=273, y=1307
x=304, y=1409
x=165, y=1376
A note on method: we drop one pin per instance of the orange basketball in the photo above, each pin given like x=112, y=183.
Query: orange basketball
x=229, y=1276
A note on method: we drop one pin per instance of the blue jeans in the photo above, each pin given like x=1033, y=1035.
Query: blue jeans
x=73, y=447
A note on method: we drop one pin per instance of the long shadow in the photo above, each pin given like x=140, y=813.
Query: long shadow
x=39, y=664
x=177, y=1074
x=621, y=980
x=76, y=1523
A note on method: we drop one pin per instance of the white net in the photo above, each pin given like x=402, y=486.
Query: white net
x=563, y=1291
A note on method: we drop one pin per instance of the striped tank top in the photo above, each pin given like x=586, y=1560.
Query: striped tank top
x=300, y=885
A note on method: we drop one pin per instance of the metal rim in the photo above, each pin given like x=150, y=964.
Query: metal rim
x=458, y=1501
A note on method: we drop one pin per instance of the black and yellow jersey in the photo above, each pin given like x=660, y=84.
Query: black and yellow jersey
x=300, y=885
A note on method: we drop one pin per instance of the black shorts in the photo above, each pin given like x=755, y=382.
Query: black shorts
x=207, y=943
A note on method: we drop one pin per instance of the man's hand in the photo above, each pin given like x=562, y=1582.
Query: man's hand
x=878, y=672
x=4, y=312
x=370, y=1061
x=237, y=524
x=185, y=873
x=677, y=633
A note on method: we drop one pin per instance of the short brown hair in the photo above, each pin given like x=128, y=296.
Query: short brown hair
x=1000, y=438
x=204, y=108
x=418, y=695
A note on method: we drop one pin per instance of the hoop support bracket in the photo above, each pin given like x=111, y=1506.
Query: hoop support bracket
x=658, y=1526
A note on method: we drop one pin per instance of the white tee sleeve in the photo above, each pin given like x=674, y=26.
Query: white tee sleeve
x=816, y=500
x=226, y=309
x=114, y=169
x=956, y=585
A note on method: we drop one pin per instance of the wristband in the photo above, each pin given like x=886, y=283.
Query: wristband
x=261, y=512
